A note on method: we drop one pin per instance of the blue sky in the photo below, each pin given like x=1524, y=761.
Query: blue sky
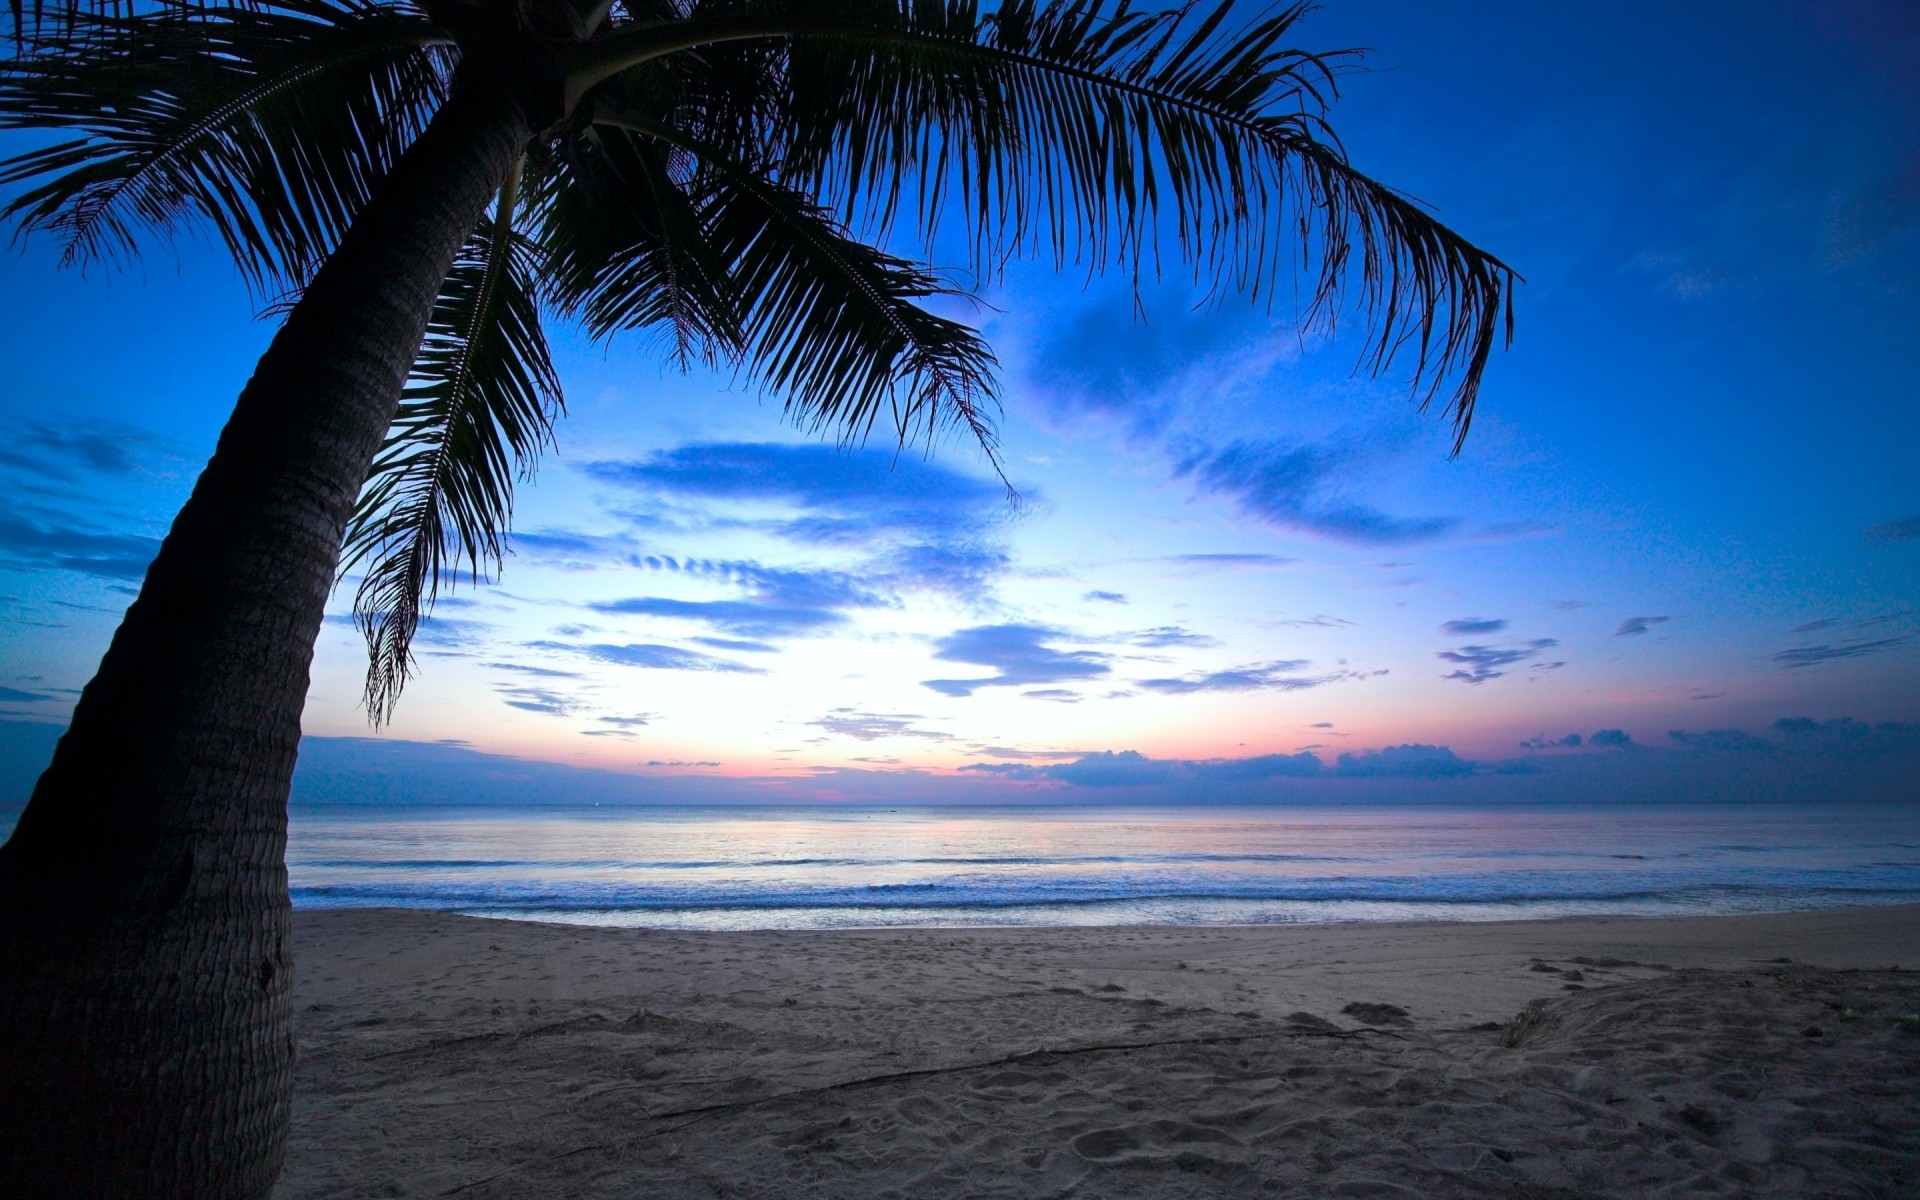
x=1235, y=568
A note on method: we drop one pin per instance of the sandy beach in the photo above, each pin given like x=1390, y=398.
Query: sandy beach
x=1762, y=1055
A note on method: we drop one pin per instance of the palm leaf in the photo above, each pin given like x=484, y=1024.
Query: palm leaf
x=835, y=325
x=271, y=126
x=1093, y=129
x=476, y=414
x=628, y=250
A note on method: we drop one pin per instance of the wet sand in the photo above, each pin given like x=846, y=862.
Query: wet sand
x=1765, y=1055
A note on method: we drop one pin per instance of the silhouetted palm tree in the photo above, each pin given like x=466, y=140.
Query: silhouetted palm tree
x=421, y=184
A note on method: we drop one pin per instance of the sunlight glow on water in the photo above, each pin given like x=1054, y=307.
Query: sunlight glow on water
x=767, y=868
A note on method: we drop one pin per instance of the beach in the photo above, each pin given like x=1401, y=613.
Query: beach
x=445, y=1055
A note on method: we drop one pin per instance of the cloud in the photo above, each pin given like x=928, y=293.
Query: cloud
x=1543, y=742
x=1800, y=657
x=780, y=601
x=1413, y=761
x=743, y=647
x=1018, y=655
x=1635, y=626
x=1108, y=597
x=1471, y=626
x=871, y=727
x=650, y=656
x=1478, y=664
x=655, y=762
x=1320, y=622
x=1163, y=636
x=1726, y=741
x=1026, y=755
x=16, y=696
x=1844, y=726
x=59, y=547
x=1906, y=529
x=747, y=618
x=833, y=496
x=1616, y=738
x=1131, y=354
x=1289, y=487
x=1057, y=695
x=524, y=669
x=56, y=451
x=1130, y=768
x=1229, y=562
x=540, y=700
x=964, y=570
x=637, y=719
x=917, y=526
x=1279, y=676
x=1816, y=626
x=1853, y=738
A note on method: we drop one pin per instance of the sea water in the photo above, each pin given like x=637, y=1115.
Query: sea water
x=733, y=868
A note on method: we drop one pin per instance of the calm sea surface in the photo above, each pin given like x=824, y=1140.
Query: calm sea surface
x=807, y=868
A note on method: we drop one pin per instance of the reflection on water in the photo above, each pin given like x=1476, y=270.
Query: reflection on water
x=788, y=868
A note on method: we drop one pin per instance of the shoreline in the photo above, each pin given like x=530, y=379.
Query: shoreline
x=1338, y=922
x=491, y=1057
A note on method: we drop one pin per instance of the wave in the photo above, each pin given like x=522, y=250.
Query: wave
x=938, y=896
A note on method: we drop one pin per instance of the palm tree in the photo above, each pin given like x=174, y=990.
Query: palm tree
x=421, y=185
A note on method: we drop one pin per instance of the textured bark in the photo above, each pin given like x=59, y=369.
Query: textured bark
x=146, y=1042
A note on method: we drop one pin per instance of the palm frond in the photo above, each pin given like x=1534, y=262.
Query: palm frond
x=475, y=415
x=269, y=125
x=628, y=249
x=835, y=325
x=1093, y=129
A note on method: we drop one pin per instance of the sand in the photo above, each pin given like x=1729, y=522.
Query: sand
x=1766, y=1055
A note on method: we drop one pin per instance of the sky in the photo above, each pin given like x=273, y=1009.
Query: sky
x=1679, y=555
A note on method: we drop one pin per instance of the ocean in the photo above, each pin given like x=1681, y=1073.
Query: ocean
x=733, y=868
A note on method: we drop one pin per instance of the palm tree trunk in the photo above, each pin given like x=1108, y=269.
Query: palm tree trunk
x=146, y=1042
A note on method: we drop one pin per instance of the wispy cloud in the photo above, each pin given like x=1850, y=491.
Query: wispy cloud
x=737, y=645
x=61, y=452
x=1056, y=695
x=849, y=497
x=1228, y=562
x=524, y=669
x=1294, y=488
x=63, y=546
x=1106, y=597
x=540, y=700
x=1637, y=626
x=647, y=655
x=1278, y=676
x=872, y=727
x=746, y=618
x=1799, y=657
x=1478, y=664
x=1473, y=626
x=1320, y=622
x=1018, y=654
x=1163, y=636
